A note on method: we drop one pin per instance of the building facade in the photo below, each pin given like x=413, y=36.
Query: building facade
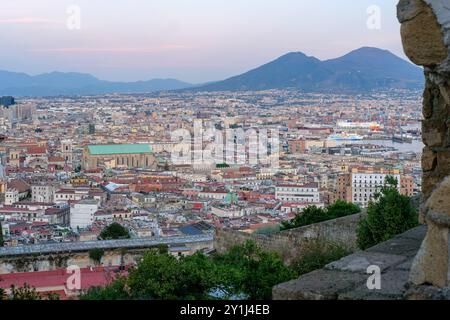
x=118, y=156
x=308, y=193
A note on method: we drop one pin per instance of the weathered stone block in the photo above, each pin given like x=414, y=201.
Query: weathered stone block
x=439, y=200
x=416, y=233
x=429, y=181
x=318, y=285
x=421, y=33
x=392, y=288
x=429, y=159
x=398, y=246
x=430, y=266
x=433, y=132
x=360, y=261
x=443, y=163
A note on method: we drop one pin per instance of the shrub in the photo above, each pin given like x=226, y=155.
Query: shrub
x=313, y=214
x=114, y=231
x=96, y=255
x=318, y=254
x=390, y=214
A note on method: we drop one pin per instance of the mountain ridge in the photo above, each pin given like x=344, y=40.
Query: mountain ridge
x=73, y=83
x=363, y=69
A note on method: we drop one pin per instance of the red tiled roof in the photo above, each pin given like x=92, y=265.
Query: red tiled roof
x=19, y=185
x=36, y=150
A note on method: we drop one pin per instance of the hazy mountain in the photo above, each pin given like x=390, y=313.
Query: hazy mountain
x=364, y=69
x=360, y=70
x=59, y=83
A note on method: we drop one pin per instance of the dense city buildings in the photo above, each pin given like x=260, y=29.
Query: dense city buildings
x=73, y=165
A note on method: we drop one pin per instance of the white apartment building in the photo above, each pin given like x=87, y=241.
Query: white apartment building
x=11, y=197
x=42, y=193
x=64, y=195
x=82, y=213
x=308, y=193
x=366, y=185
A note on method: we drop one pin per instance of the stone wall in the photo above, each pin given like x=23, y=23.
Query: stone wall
x=58, y=260
x=425, y=32
x=290, y=243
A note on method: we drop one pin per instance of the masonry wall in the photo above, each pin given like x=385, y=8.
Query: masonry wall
x=50, y=262
x=289, y=244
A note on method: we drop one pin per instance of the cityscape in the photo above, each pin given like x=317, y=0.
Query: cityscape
x=108, y=189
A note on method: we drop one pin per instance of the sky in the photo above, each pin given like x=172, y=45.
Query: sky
x=191, y=40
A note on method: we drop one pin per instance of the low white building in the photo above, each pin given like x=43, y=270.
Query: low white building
x=308, y=193
x=82, y=213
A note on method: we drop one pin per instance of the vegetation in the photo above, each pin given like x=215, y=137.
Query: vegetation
x=388, y=215
x=318, y=254
x=26, y=293
x=313, y=214
x=96, y=255
x=114, y=231
x=245, y=271
x=268, y=230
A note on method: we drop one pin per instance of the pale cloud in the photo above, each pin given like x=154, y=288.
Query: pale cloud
x=156, y=49
x=30, y=20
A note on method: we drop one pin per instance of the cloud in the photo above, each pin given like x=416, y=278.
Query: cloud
x=29, y=20
x=156, y=49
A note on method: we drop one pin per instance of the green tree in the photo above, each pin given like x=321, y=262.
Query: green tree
x=116, y=290
x=246, y=271
x=96, y=255
x=114, y=231
x=313, y=214
x=307, y=216
x=388, y=215
x=342, y=208
x=250, y=271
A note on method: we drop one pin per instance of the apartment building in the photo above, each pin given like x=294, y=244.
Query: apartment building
x=365, y=185
x=308, y=193
x=82, y=213
x=42, y=193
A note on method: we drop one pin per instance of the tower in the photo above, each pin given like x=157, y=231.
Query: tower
x=67, y=151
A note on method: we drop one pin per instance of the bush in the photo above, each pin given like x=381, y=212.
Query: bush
x=268, y=230
x=390, y=214
x=114, y=231
x=317, y=255
x=96, y=255
x=313, y=214
x=245, y=271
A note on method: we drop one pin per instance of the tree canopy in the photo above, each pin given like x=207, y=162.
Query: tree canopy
x=245, y=271
x=313, y=214
x=388, y=215
x=114, y=231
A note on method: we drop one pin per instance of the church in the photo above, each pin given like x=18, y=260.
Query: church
x=111, y=156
